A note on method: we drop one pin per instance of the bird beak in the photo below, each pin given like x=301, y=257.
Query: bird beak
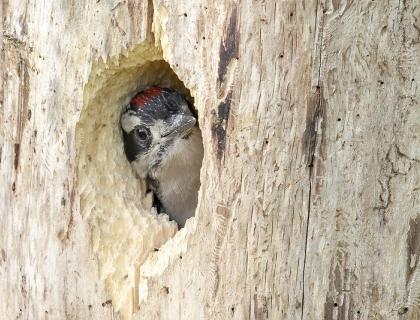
x=178, y=125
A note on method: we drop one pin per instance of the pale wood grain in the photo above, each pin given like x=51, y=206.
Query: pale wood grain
x=309, y=201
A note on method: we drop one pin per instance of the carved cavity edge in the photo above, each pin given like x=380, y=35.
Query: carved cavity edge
x=124, y=228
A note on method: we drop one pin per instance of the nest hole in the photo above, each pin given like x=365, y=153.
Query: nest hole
x=125, y=228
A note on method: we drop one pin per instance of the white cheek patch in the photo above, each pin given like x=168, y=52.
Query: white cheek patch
x=155, y=131
x=158, y=125
x=129, y=122
x=185, y=108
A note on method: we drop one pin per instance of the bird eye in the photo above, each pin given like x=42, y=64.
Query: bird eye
x=141, y=133
x=172, y=106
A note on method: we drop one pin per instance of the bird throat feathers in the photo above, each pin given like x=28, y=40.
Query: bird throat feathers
x=182, y=153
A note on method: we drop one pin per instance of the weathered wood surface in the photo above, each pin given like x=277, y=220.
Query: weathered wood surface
x=309, y=202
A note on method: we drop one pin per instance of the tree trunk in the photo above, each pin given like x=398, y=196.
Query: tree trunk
x=310, y=187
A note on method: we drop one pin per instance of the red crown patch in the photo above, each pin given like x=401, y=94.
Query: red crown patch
x=142, y=97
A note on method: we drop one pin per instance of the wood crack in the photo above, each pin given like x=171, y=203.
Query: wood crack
x=314, y=124
x=306, y=242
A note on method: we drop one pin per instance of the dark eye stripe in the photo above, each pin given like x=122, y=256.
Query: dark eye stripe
x=131, y=149
x=172, y=107
x=134, y=146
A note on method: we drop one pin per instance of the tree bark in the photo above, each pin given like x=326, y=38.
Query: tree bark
x=309, y=201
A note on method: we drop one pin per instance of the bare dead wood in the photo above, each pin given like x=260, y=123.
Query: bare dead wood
x=309, y=201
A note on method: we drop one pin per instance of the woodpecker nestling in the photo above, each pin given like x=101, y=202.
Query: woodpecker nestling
x=163, y=144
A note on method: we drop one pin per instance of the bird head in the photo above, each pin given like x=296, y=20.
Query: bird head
x=153, y=124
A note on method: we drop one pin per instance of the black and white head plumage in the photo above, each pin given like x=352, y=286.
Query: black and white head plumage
x=153, y=121
x=163, y=143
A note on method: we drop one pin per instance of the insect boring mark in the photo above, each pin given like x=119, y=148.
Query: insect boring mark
x=220, y=122
x=315, y=124
x=221, y=224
